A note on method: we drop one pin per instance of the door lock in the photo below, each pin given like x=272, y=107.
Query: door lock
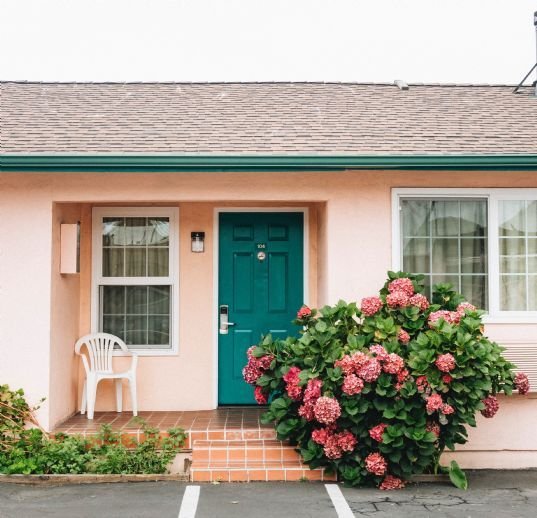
x=224, y=319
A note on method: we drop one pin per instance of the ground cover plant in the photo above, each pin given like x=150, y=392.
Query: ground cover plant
x=27, y=449
x=378, y=391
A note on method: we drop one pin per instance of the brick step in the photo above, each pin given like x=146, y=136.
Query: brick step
x=249, y=460
x=230, y=434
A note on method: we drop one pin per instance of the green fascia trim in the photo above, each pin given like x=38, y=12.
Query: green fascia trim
x=173, y=163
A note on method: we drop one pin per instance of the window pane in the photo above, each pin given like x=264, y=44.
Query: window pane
x=455, y=248
x=415, y=217
x=158, y=232
x=113, y=259
x=474, y=288
x=135, y=262
x=140, y=315
x=473, y=219
x=113, y=231
x=113, y=300
x=416, y=255
x=473, y=255
x=532, y=292
x=513, y=292
x=115, y=325
x=445, y=255
x=532, y=255
x=159, y=300
x=136, y=333
x=531, y=221
x=136, y=231
x=513, y=255
x=158, y=330
x=512, y=218
x=157, y=262
x=451, y=279
x=445, y=218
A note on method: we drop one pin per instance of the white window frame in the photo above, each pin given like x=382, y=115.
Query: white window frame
x=493, y=196
x=172, y=280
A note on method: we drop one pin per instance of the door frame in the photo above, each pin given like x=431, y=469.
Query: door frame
x=216, y=265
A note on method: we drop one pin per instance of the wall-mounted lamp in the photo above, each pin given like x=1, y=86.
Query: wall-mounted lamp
x=198, y=242
x=69, y=248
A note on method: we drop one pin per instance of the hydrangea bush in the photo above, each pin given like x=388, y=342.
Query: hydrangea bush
x=377, y=392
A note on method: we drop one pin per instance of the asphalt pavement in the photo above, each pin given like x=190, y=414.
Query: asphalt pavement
x=491, y=493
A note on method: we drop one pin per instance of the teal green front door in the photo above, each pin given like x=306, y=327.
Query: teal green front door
x=261, y=287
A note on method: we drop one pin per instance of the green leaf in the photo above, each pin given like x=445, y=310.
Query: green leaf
x=321, y=326
x=457, y=476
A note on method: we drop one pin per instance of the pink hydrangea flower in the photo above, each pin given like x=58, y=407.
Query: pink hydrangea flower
x=376, y=464
x=422, y=383
x=376, y=432
x=345, y=364
x=359, y=359
x=303, y=312
x=447, y=409
x=370, y=371
x=420, y=301
x=522, y=383
x=390, y=482
x=346, y=440
x=326, y=410
x=447, y=379
x=332, y=449
x=370, y=306
x=320, y=435
x=433, y=427
x=402, y=375
x=379, y=351
x=491, y=406
x=398, y=299
x=352, y=385
x=451, y=317
x=434, y=402
x=313, y=390
x=393, y=364
x=403, y=336
x=445, y=362
x=260, y=396
x=306, y=411
x=463, y=307
x=292, y=380
x=404, y=284
x=251, y=373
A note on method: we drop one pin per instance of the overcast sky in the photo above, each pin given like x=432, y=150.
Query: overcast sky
x=483, y=41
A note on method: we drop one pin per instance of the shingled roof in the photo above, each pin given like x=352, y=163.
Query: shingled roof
x=265, y=119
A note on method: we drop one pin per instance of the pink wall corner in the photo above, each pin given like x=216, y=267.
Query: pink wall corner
x=64, y=324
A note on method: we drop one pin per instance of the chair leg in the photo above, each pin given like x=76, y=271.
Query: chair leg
x=84, y=399
x=91, y=394
x=134, y=401
x=119, y=395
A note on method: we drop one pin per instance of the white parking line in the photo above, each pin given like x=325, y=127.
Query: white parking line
x=338, y=500
x=190, y=502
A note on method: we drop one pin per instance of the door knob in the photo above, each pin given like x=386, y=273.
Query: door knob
x=224, y=322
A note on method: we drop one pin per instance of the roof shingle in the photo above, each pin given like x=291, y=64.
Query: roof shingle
x=265, y=119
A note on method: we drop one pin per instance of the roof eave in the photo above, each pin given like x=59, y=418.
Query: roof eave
x=249, y=163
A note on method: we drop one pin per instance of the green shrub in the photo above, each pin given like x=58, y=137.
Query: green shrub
x=377, y=393
x=26, y=449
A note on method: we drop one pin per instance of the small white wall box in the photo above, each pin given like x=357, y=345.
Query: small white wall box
x=69, y=248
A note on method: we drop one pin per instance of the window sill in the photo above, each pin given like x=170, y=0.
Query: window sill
x=148, y=352
x=500, y=319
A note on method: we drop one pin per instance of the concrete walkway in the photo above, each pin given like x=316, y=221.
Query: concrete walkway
x=492, y=493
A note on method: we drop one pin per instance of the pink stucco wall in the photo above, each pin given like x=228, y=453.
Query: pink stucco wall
x=350, y=234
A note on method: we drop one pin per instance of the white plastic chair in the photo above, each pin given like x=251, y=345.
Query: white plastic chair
x=100, y=348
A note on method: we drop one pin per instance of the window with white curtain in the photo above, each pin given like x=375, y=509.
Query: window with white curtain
x=482, y=241
x=135, y=276
x=446, y=240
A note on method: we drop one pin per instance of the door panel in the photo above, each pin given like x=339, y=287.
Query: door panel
x=263, y=292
